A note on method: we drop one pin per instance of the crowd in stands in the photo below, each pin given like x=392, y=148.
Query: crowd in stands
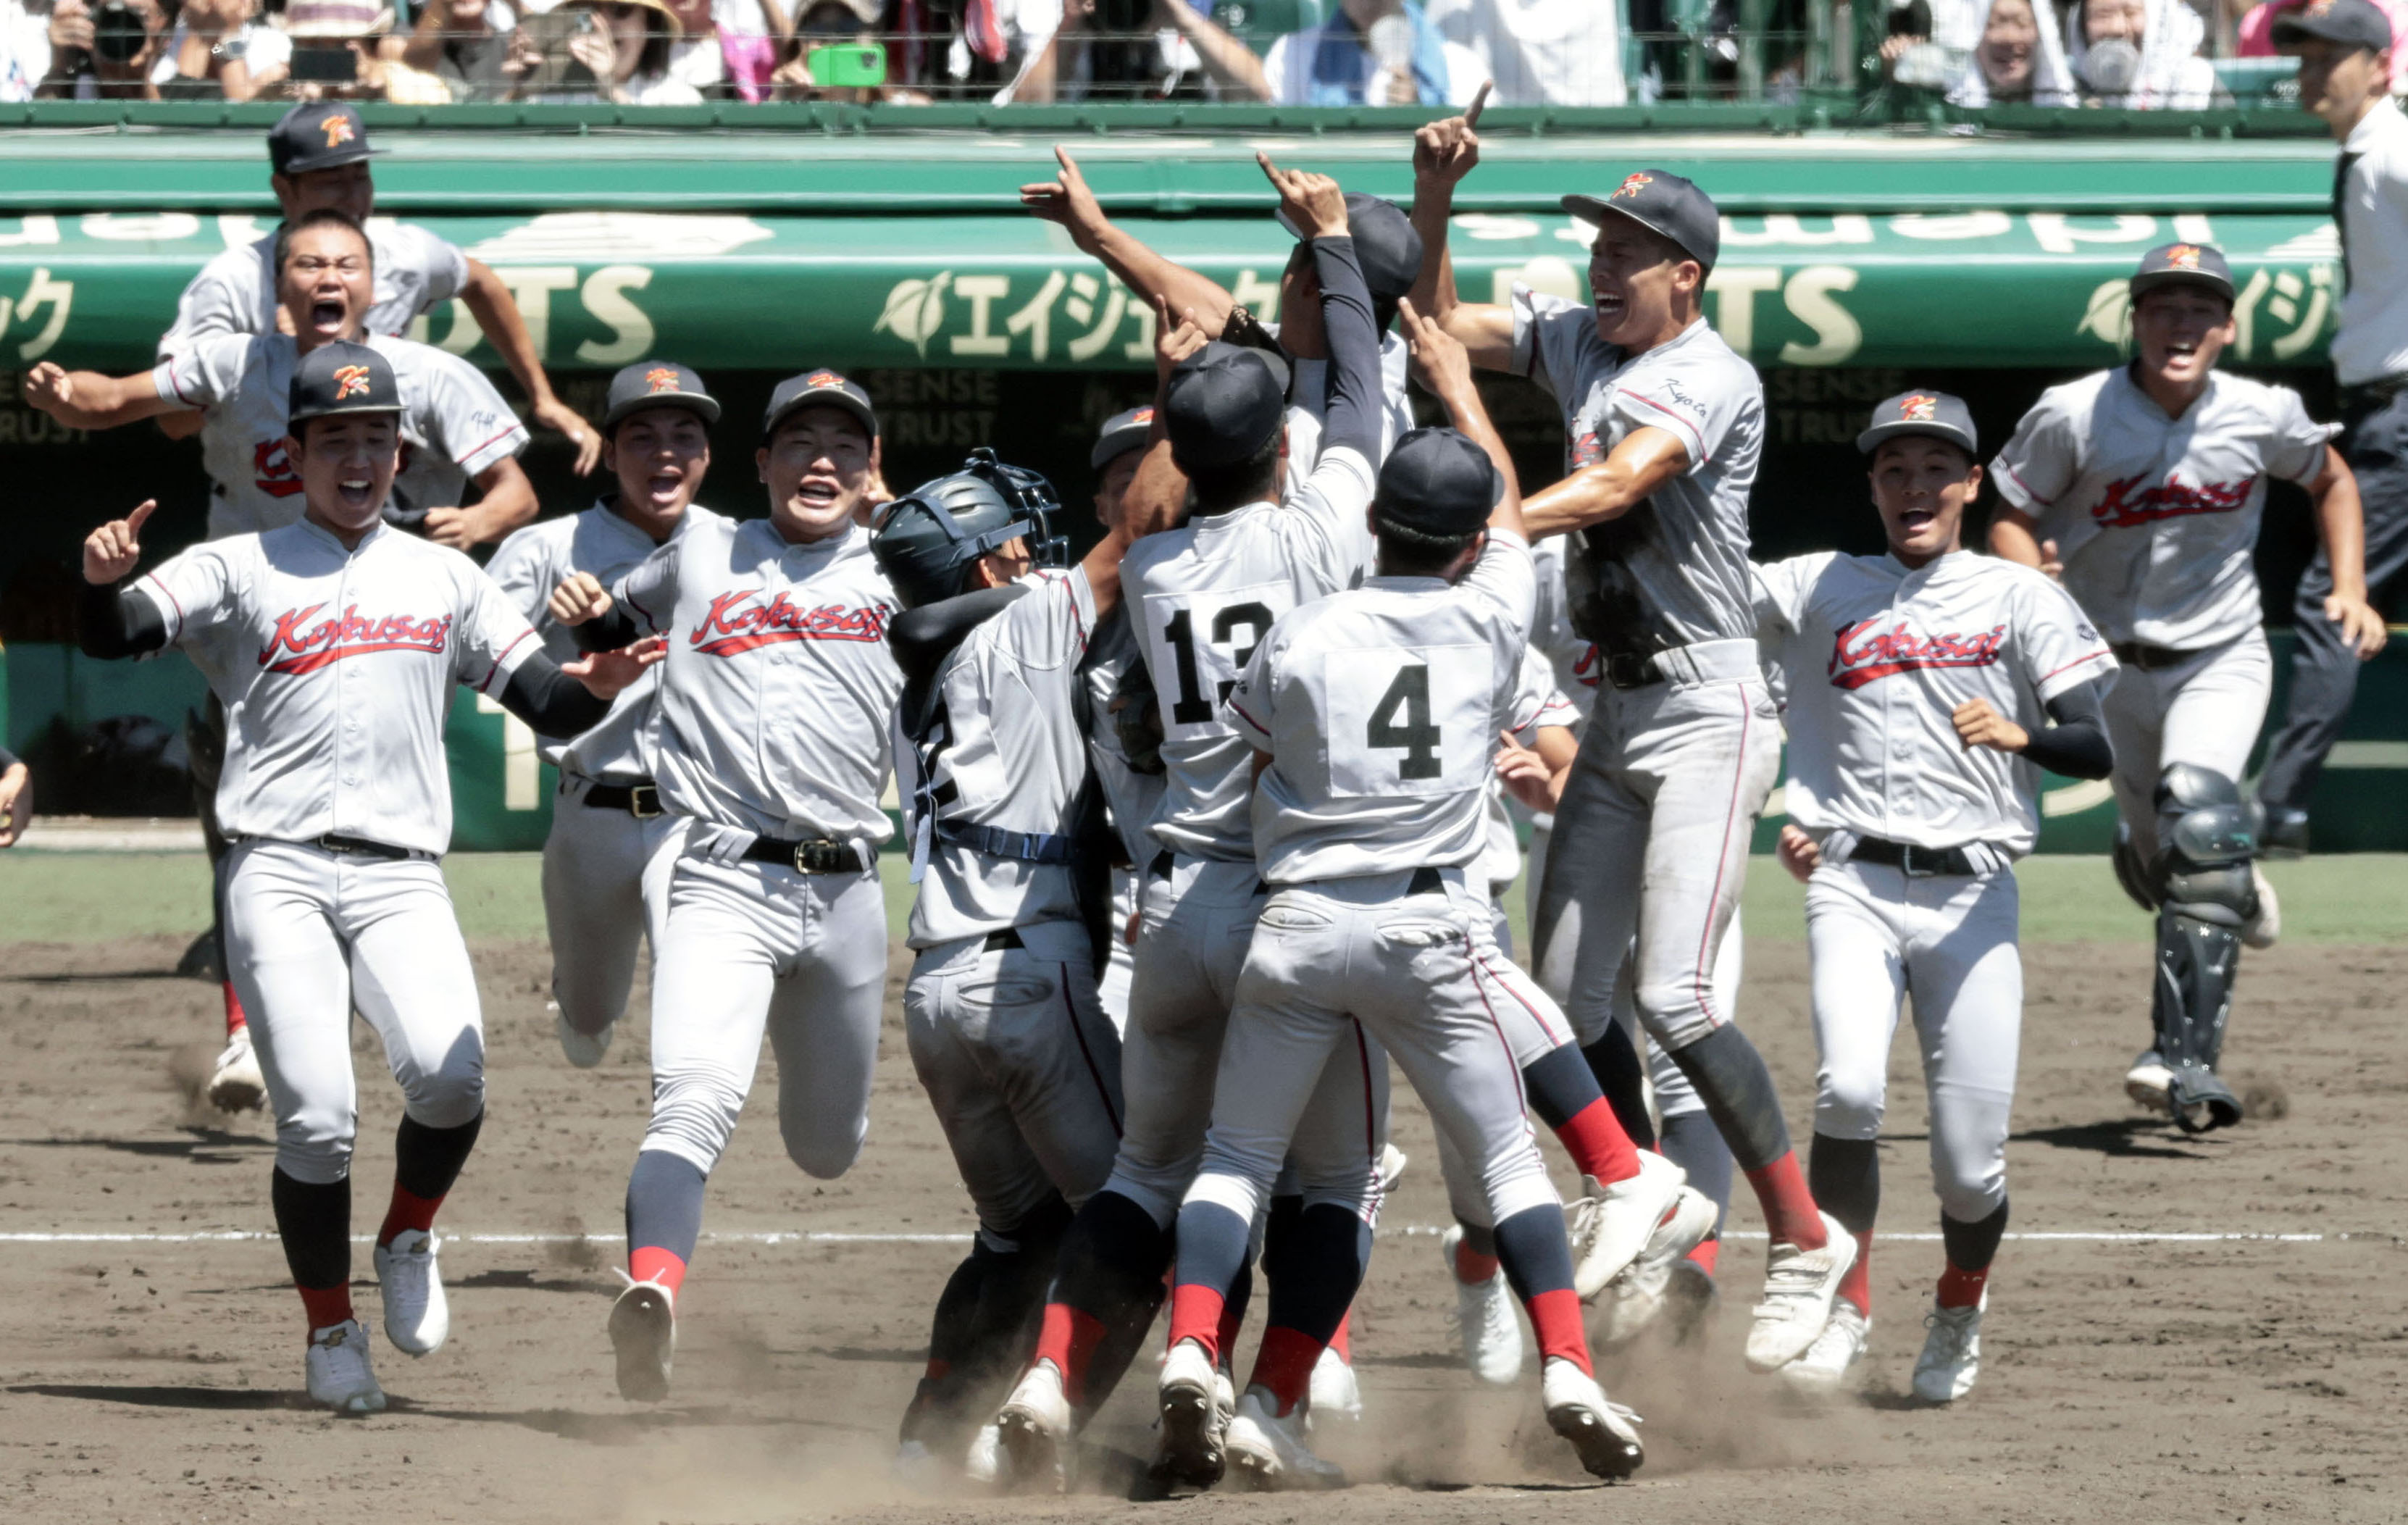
x=2160, y=54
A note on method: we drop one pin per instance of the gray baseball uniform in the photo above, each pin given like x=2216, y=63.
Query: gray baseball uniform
x=236, y=291
x=1308, y=386
x=1133, y=799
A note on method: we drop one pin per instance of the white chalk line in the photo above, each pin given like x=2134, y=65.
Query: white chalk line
x=245, y=1236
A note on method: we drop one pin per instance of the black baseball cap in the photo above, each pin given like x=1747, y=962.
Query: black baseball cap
x=341, y=378
x=1224, y=403
x=1438, y=481
x=657, y=383
x=2353, y=24
x=1122, y=433
x=821, y=388
x=1386, y=245
x=2183, y=265
x=1662, y=203
x=1922, y=412
x=317, y=134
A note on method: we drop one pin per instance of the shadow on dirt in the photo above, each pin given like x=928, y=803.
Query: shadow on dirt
x=2126, y=1138
x=204, y=1146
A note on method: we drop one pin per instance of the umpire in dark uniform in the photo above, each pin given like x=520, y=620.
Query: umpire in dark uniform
x=2345, y=52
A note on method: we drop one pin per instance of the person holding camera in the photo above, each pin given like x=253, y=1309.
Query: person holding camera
x=613, y=51
x=221, y=48
x=456, y=42
x=104, y=52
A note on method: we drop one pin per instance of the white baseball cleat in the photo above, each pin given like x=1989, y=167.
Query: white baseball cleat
x=583, y=1049
x=1485, y=1320
x=1268, y=1452
x=1335, y=1395
x=1798, y=1286
x=643, y=1334
x=2264, y=927
x=1634, y=1300
x=1034, y=1429
x=1611, y=1224
x=417, y=1317
x=1952, y=1353
x=235, y=1084
x=1194, y=1400
x=1392, y=1169
x=339, y=1373
x=1606, y=1434
x=2150, y=1083
x=1826, y=1366
x=983, y=1462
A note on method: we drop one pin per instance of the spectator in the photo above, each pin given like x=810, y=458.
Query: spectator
x=1150, y=49
x=834, y=24
x=2020, y=62
x=753, y=36
x=2140, y=55
x=103, y=52
x=1372, y=52
x=221, y=48
x=16, y=798
x=1932, y=42
x=1540, y=53
x=340, y=53
x=588, y=51
x=24, y=50
x=2257, y=34
x=466, y=45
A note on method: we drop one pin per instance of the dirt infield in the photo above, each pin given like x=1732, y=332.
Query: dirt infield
x=2206, y=1379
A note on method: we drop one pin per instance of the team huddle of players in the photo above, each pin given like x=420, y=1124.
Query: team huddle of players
x=1208, y=826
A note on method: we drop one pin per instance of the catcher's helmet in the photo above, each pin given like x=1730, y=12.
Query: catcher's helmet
x=930, y=536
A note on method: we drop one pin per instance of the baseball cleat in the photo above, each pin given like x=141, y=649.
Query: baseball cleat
x=584, y=1049
x=2264, y=925
x=2148, y=1083
x=1612, y=1224
x=1691, y=1300
x=235, y=1084
x=1606, y=1434
x=417, y=1317
x=1484, y=1321
x=1952, y=1353
x=982, y=1464
x=1335, y=1394
x=643, y=1333
x=1193, y=1402
x=1798, y=1286
x=1269, y=1453
x=339, y=1373
x=2200, y=1102
x=1633, y=1300
x=1824, y=1367
x=1034, y=1429
x=916, y=1467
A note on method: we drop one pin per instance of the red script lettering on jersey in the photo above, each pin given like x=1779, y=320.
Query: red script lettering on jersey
x=1861, y=655
x=307, y=647
x=2128, y=503
x=729, y=628
x=272, y=470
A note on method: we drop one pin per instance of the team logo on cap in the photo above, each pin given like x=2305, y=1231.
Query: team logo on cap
x=1143, y=415
x=824, y=378
x=339, y=131
x=1920, y=409
x=661, y=379
x=1632, y=185
x=2317, y=7
x=2182, y=257
x=349, y=382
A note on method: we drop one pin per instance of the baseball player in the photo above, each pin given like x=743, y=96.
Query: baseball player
x=607, y=856
x=1372, y=711
x=454, y=427
x=2141, y=487
x=1665, y=422
x=318, y=156
x=335, y=642
x=16, y=798
x=774, y=712
x=1926, y=687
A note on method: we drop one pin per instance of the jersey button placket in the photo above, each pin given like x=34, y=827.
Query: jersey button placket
x=346, y=715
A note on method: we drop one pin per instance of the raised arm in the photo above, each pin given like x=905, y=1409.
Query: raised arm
x=112, y=621
x=1157, y=493
x=1446, y=370
x=1231, y=64
x=1066, y=200
x=86, y=399
x=489, y=301
x=1443, y=153
x=1646, y=459
x=2340, y=528
x=1316, y=205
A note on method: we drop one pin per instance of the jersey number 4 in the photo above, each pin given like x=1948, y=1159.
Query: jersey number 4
x=1416, y=731
x=1402, y=719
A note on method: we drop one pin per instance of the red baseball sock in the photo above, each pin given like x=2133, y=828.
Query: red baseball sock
x=235, y=1018
x=1960, y=1287
x=410, y=1211
x=1068, y=1338
x=650, y=1262
x=326, y=1306
x=1705, y=1254
x=1599, y=1146
x=1340, y=1341
x=1556, y=1318
x=1196, y=1314
x=1790, y=1212
x=1470, y=1266
x=1856, y=1286
x=1284, y=1366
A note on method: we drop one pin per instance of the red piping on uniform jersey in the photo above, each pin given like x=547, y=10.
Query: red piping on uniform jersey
x=728, y=630
x=1703, y=459
x=2123, y=508
x=331, y=641
x=495, y=672
x=2076, y=663
x=1893, y=651
x=466, y=456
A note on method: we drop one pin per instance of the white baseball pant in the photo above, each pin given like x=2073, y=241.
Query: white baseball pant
x=1112, y=989
x=1668, y=1084
x=1533, y=1027
x=1023, y=1067
x=1876, y=937
x=2205, y=712
x=1651, y=842
x=605, y=889
x=1419, y=972
x=749, y=946
x=312, y=935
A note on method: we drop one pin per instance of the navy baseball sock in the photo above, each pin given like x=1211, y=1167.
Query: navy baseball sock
x=1111, y=1264
x=1971, y=1247
x=1692, y=1142
x=664, y=1217
x=1846, y=1178
x=1311, y=1286
x=1213, y=1245
x=1730, y=1079
x=1564, y=1092
x=951, y=1336
x=1539, y=1267
x=1613, y=1061
x=314, y=1221
x=425, y=1163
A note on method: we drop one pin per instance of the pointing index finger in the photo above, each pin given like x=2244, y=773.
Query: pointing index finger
x=134, y=521
x=1479, y=103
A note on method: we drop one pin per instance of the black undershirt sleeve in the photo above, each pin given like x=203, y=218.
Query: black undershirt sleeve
x=2076, y=747
x=115, y=622
x=608, y=634
x=549, y=701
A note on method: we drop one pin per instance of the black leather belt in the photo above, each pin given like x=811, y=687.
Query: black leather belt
x=820, y=855
x=1916, y=862
x=1632, y=669
x=640, y=801
x=1005, y=941
x=2134, y=654
x=335, y=841
x=1425, y=881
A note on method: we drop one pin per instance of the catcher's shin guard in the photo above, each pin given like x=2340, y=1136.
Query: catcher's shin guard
x=2208, y=834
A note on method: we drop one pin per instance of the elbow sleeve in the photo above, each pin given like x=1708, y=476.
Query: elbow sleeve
x=117, y=622
x=2076, y=747
x=1352, y=403
x=551, y=701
